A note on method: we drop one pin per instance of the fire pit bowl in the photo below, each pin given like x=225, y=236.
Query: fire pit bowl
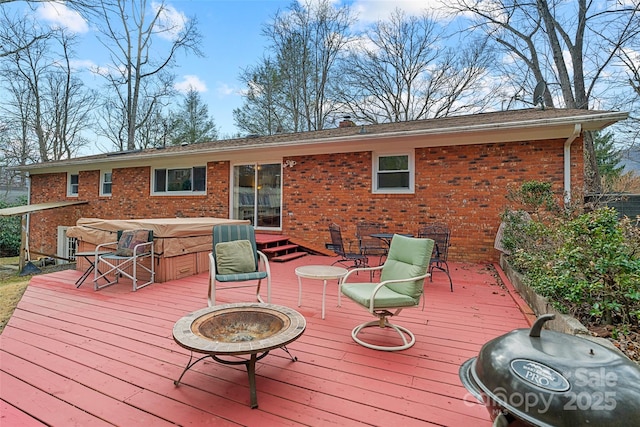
x=251, y=329
x=240, y=324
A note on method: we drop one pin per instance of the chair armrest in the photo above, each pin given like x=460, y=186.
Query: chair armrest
x=103, y=245
x=355, y=270
x=142, y=245
x=265, y=262
x=331, y=247
x=386, y=282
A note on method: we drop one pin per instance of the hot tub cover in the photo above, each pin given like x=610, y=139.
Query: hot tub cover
x=172, y=236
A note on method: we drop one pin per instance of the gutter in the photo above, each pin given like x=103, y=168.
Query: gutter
x=577, y=129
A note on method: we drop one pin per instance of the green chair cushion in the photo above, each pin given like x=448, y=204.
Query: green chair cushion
x=235, y=257
x=240, y=277
x=408, y=257
x=385, y=298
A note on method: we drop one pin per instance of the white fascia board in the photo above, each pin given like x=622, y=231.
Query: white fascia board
x=486, y=133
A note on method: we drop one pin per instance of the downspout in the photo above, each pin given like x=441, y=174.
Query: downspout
x=577, y=129
x=24, y=255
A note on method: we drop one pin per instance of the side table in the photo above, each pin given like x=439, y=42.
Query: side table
x=319, y=272
x=91, y=259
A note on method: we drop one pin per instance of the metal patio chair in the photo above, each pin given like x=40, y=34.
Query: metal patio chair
x=132, y=257
x=347, y=259
x=235, y=258
x=441, y=235
x=371, y=246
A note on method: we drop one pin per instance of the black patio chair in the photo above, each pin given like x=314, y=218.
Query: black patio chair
x=348, y=258
x=441, y=235
x=371, y=246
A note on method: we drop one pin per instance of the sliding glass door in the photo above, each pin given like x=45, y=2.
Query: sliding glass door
x=257, y=194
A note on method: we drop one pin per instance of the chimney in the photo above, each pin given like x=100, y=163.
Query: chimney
x=347, y=122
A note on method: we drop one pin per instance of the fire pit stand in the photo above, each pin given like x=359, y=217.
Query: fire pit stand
x=238, y=329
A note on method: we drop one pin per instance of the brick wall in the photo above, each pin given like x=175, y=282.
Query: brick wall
x=462, y=186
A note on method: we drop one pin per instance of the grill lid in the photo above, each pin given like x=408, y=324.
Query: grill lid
x=548, y=378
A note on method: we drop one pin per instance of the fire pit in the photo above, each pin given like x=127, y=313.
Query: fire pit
x=251, y=329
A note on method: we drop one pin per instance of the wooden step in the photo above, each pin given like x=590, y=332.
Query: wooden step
x=288, y=257
x=270, y=239
x=282, y=248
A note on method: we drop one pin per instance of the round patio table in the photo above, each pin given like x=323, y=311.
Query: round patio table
x=237, y=329
x=319, y=272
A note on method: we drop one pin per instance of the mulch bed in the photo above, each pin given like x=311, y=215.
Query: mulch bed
x=627, y=341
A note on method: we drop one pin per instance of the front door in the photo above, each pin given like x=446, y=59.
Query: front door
x=257, y=194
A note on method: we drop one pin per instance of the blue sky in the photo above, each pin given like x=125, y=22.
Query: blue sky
x=232, y=41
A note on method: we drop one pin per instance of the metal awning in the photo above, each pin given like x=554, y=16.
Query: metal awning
x=21, y=210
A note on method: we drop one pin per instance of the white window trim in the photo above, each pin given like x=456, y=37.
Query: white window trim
x=177, y=193
x=102, y=182
x=412, y=172
x=69, y=192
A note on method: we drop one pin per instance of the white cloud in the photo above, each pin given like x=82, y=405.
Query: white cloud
x=190, y=82
x=82, y=64
x=171, y=22
x=372, y=11
x=60, y=16
x=224, y=90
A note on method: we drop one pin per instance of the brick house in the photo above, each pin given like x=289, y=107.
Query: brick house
x=453, y=170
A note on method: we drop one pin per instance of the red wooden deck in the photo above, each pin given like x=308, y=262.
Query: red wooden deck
x=78, y=357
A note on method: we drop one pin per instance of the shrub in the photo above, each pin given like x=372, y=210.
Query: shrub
x=10, y=232
x=595, y=273
x=587, y=265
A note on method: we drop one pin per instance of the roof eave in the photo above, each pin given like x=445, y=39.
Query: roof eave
x=557, y=127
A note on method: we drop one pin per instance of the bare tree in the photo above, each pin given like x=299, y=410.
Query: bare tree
x=49, y=108
x=630, y=59
x=140, y=72
x=70, y=106
x=9, y=24
x=568, y=45
x=17, y=134
x=399, y=71
x=306, y=40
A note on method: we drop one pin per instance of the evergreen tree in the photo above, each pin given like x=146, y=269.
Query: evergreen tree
x=193, y=124
x=608, y=156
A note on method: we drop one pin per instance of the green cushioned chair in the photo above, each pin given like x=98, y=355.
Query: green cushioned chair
x=235, y=258
x=401, y=286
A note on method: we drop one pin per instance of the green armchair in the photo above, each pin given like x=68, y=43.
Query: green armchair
x=401, y=286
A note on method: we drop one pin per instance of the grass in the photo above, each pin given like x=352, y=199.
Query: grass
x=12, y=287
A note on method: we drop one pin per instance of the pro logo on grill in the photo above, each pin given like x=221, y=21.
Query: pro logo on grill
x=539, y=375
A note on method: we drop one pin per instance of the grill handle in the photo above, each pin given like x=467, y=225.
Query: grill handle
x=539, y=323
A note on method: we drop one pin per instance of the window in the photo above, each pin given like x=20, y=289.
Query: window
x=180, y=180
x=105, y=183
x=393, y=173
x=72, y=184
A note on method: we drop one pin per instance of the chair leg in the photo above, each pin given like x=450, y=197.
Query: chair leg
x=384, y=323
x=110, y=269
x=258, y=292
x=211, y=300
x=445, y=269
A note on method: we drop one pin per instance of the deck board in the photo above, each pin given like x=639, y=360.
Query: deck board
x=74, y=356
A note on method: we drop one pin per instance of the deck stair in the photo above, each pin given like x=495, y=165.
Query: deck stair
x=278, y=248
